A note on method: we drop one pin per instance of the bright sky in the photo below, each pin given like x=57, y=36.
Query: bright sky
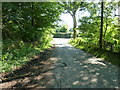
x=67, y=18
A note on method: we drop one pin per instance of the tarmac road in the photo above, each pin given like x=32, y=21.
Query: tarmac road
x=66, y=67
x=74, y=68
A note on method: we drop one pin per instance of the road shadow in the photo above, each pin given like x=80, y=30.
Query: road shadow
x=29, y=75
x=64, y=67
x=84, y=70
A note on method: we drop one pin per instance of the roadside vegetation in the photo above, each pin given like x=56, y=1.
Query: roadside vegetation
x=18, y=54
x=28, y=28
x=105, y=43
x=107, y=55
x=62, y=32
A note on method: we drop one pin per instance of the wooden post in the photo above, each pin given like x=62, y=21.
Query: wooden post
x=101, y=29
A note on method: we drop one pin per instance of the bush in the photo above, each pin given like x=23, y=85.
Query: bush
x=17, y=53
x=63, y=35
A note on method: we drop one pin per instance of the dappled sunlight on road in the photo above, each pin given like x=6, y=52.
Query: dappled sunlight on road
x=82, y=69
x=95, y=60
x=68, y=67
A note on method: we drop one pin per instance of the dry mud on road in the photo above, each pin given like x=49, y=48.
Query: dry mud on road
x=68, y=67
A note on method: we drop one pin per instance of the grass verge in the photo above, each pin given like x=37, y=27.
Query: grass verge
x=18, y=53
x=107, y=55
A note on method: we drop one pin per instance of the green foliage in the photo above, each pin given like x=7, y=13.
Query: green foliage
x=62, y=32
x=17, y=55
x=28, y=20
x=83, y=43
x=63, y=35
x=28, y=27
x=90, y=26
x=77, y=41
x=63, y=29
x=88, y=47
x=72, y=7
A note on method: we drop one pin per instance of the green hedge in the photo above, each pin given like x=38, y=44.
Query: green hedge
x=63, y=35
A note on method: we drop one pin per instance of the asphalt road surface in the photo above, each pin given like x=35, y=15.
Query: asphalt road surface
x=74, y=68
x=67, y=67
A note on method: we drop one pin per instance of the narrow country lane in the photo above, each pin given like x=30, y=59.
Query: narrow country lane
x=68, y=67
x=77, y=69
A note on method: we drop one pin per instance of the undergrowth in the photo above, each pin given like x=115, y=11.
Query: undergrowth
x=17, y=53
x=94, y=50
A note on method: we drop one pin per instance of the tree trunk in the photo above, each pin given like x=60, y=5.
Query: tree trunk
x=105, y=34
x=101, y=29
x=74, y=26
x=32, y=20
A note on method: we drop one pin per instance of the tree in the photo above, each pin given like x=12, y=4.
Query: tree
x=63, y=29
x=71, y=7
x=29, y=21
x=101, y=29
x=90, y=26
